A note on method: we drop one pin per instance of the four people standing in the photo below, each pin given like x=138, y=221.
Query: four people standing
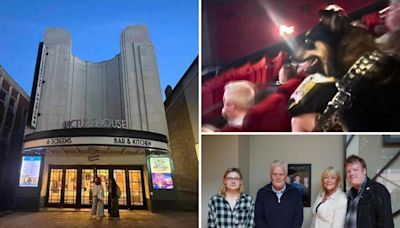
x=279, y=204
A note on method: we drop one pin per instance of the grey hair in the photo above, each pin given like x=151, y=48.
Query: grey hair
x=278, y=163
x=240, y=93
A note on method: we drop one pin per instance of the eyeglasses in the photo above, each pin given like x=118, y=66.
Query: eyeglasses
x=232, y=178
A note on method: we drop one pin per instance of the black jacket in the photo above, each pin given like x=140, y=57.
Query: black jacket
x=269, y=213
x=374, y=208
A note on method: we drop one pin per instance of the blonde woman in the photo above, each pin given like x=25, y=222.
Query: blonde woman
x=231, y=207
x=329, y=210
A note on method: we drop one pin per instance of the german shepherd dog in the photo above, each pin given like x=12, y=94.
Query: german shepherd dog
x=368, y=80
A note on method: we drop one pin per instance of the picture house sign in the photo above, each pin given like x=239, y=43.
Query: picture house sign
x=96, y=140
x=95, y=123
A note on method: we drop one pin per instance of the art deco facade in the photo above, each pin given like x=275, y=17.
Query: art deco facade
x=92, y=119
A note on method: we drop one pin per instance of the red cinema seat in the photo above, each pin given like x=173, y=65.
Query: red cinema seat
x=269, y=115
x=260, y=70
x=278, y=62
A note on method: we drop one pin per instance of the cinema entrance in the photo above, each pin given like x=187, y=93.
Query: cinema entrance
x=70, y=186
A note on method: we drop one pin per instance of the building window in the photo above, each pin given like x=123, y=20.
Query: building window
x=11, y=104
x=9, y=118
x=1, y=114
x=23, y=120
x=3, y=95
x=6, y=132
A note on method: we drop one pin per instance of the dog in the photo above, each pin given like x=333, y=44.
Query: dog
x=366, y=79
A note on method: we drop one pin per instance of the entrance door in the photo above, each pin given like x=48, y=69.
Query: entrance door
x=136, y=188
x=119, y=176
x=104, y=176
x=70, y=186
x=55, y=186
x=87, y=180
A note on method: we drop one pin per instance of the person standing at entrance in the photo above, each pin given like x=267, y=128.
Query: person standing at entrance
x=115, y=194
x=97, y=200
x=278, y=204
x=231, y=207
x=369, y=202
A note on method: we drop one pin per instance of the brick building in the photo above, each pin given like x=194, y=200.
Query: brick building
x=14, y=105
x=181, y=108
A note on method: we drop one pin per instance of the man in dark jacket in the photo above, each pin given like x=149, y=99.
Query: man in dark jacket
x=368, y=201
x=278, y=205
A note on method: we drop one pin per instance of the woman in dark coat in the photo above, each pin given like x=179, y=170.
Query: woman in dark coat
x=114, y=194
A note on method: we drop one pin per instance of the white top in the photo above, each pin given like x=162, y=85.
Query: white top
x=331, y=213
x=98, y=191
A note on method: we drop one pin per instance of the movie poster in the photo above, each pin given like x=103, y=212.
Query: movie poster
x=161, y=173
x=30, y=169
x=299, y=175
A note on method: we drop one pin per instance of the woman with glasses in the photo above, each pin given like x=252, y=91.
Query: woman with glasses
x=329, y=209
x=231, y=207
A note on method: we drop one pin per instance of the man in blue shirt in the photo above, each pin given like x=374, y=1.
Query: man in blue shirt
x=278, y=204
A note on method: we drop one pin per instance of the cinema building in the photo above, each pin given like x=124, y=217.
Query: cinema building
x=90, y=119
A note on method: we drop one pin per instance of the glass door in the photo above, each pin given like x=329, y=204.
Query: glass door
x=87, y=181
x=119, y=176
x=70, y=186
x=104, y=176
x=55, y=186
x=136, y=188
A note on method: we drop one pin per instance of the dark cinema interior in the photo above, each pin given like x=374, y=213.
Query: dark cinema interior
x=252, y=40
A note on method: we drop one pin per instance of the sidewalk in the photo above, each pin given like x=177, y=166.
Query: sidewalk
x=81, y=218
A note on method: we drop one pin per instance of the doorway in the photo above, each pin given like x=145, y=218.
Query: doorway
x=70, y=186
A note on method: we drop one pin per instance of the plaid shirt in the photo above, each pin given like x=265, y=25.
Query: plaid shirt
x=221, y=215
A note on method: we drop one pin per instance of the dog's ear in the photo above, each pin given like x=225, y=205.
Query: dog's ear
x=334, y=17
x=334, y=21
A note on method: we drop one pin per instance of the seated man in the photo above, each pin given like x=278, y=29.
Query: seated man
x=238, y=99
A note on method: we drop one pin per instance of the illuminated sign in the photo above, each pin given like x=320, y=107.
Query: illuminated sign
x=35, y=109
x=95, y=123
x=30, y=169
x=96, y=140
x=161, y=173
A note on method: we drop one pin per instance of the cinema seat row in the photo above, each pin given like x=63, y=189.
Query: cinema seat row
x=260, y=73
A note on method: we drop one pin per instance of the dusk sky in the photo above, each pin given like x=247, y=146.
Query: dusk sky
x=95, y=27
